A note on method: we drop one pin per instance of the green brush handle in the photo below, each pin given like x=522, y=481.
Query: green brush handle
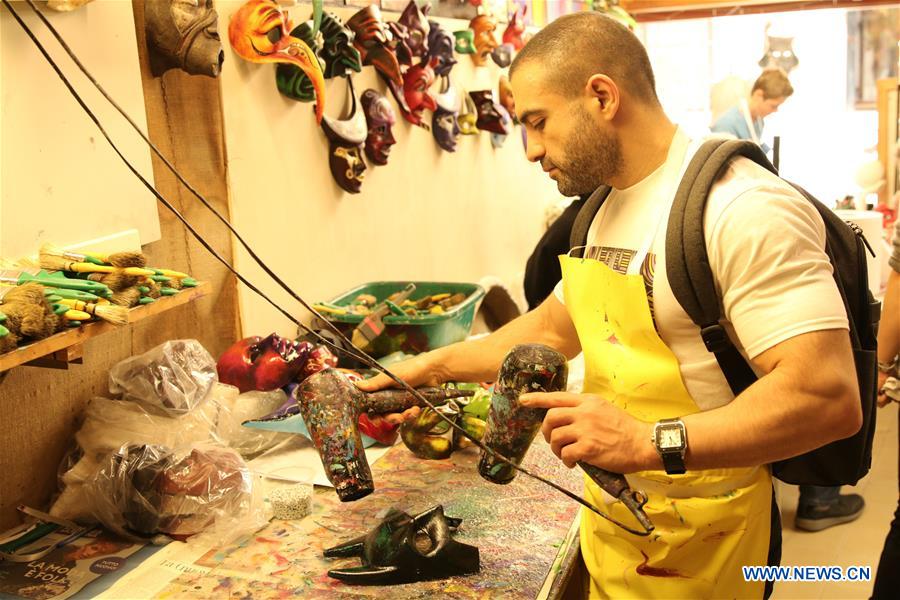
x=160, y=278
x=146, y=300
x=60, y=309
x=50, y=292
x=189, y=282
x=74, y=323
x=143, y=289
x=3, y=331
x=2, y=317
x=92, y=287
x=93, y=260
x=53, y=298
x=167, y=291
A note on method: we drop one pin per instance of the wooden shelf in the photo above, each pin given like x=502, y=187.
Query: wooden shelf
x=64, y=348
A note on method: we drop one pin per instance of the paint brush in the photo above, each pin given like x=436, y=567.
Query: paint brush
x=117, y=315
x=123, y=259
x=49, y=249
x=128, y=297
x=75, y=315
x=116, y=259
x=55, y=263
x=19, y=277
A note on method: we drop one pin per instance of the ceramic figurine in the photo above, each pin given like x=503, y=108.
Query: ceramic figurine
x=440, y=49
x=345, y=141
x=489, y=116
x=444, y=124
x=404, y=549
x=468, y=116
x=483, y=28
x=251, y=30
x=183, y=34
x=373, y=40
x=515, y=29
x=380, y=118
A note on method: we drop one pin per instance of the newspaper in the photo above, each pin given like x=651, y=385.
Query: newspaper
x=65, y=570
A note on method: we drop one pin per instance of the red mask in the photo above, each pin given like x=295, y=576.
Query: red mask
x=516, y=28
x=263, y=364
x=250, y=32
x=416, y=82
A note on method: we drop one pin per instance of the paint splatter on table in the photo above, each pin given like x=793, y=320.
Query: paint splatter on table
x=519, y=528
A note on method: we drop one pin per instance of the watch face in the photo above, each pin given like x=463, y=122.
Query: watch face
x=670, y=438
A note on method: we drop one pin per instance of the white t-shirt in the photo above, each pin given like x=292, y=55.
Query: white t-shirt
x=766, y=249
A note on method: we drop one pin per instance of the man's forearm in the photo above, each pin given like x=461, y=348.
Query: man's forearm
x=479, y=360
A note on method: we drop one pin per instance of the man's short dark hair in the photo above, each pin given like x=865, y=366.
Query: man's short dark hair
x=579, y=45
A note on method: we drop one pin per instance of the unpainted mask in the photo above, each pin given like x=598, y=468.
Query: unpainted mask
x=483, y=27
x=444, y=124
x=251, y=32
x=440, y=49
x=779, y=53
x=183, y=34
x=345, y=140
x=468, y=117
x=373, y=39
x=515, y=29
x=416, y=82
x=465, y=41
x=380, y=118
x=393, y=552
x=489, y=116
x=263, y=364
x=337, y=57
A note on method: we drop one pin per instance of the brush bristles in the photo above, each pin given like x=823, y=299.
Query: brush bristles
x=127, y=259
x=117, y=315
x=128, y=297
x=48, y=249
x=53, y=262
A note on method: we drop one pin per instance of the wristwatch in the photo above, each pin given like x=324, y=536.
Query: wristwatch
x=670, y=439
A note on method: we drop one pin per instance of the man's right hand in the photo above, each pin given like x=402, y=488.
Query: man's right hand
x=418, y=371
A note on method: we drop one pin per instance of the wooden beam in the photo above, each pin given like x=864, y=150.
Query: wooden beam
x=664, y=10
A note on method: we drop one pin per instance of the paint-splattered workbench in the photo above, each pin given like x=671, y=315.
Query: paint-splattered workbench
x=524, y=532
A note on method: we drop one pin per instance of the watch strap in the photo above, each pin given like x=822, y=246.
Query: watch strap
x=673, y=463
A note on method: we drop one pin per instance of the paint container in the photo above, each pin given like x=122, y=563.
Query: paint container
x=511, y=427
x=326, y=401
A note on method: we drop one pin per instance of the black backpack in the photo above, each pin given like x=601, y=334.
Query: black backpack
x=842, y=462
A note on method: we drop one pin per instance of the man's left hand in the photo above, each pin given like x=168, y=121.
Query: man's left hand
x=585, y=427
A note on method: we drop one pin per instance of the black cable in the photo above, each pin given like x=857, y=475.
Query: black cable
x=362, y=356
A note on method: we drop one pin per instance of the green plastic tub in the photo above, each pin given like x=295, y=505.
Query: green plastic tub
x=408, y=334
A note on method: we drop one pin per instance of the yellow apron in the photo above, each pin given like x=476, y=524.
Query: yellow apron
x=708, y=523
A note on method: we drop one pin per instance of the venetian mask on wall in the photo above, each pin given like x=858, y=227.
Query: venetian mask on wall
x=415, y=29
x=483, y=27
x=416, y=82
x=183, y=34
x=498, y=139
x=502, y=55
x=444, y=125
x=373, y=39
x=468, y=116
x=380, y=118
x=779, y=53
x=465, y=41
x=515, y=29
x=336, y=53
x=490, y=117
x=259, y=32
x=504, y=92
x=440, y=49
x=345, y=141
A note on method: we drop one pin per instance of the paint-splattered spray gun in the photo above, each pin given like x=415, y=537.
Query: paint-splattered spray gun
x=511, y=427
x=330, y=404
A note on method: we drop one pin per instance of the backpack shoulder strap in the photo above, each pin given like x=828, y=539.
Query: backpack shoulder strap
x=687, y=260
x=578, y=236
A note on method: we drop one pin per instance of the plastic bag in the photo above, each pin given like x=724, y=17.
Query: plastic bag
x=142, y=491
x=235, y=409
x=175, y=376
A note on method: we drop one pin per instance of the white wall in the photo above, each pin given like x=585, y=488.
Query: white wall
x=427, y=215
x=823, y=141
x=59, y=180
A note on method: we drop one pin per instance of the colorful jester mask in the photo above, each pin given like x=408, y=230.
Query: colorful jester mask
x=337, y=56
x=183, y=34
x=380, y=118
x=345, y=140
x=483, y=27
x=490, y=118
x=373, y=40
x=416, y=82
x=440, y=49
x=465, y=41
x=502, y=55
x=444, y=125
x=259, y=32
x=515, y=29
x=416, y=29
